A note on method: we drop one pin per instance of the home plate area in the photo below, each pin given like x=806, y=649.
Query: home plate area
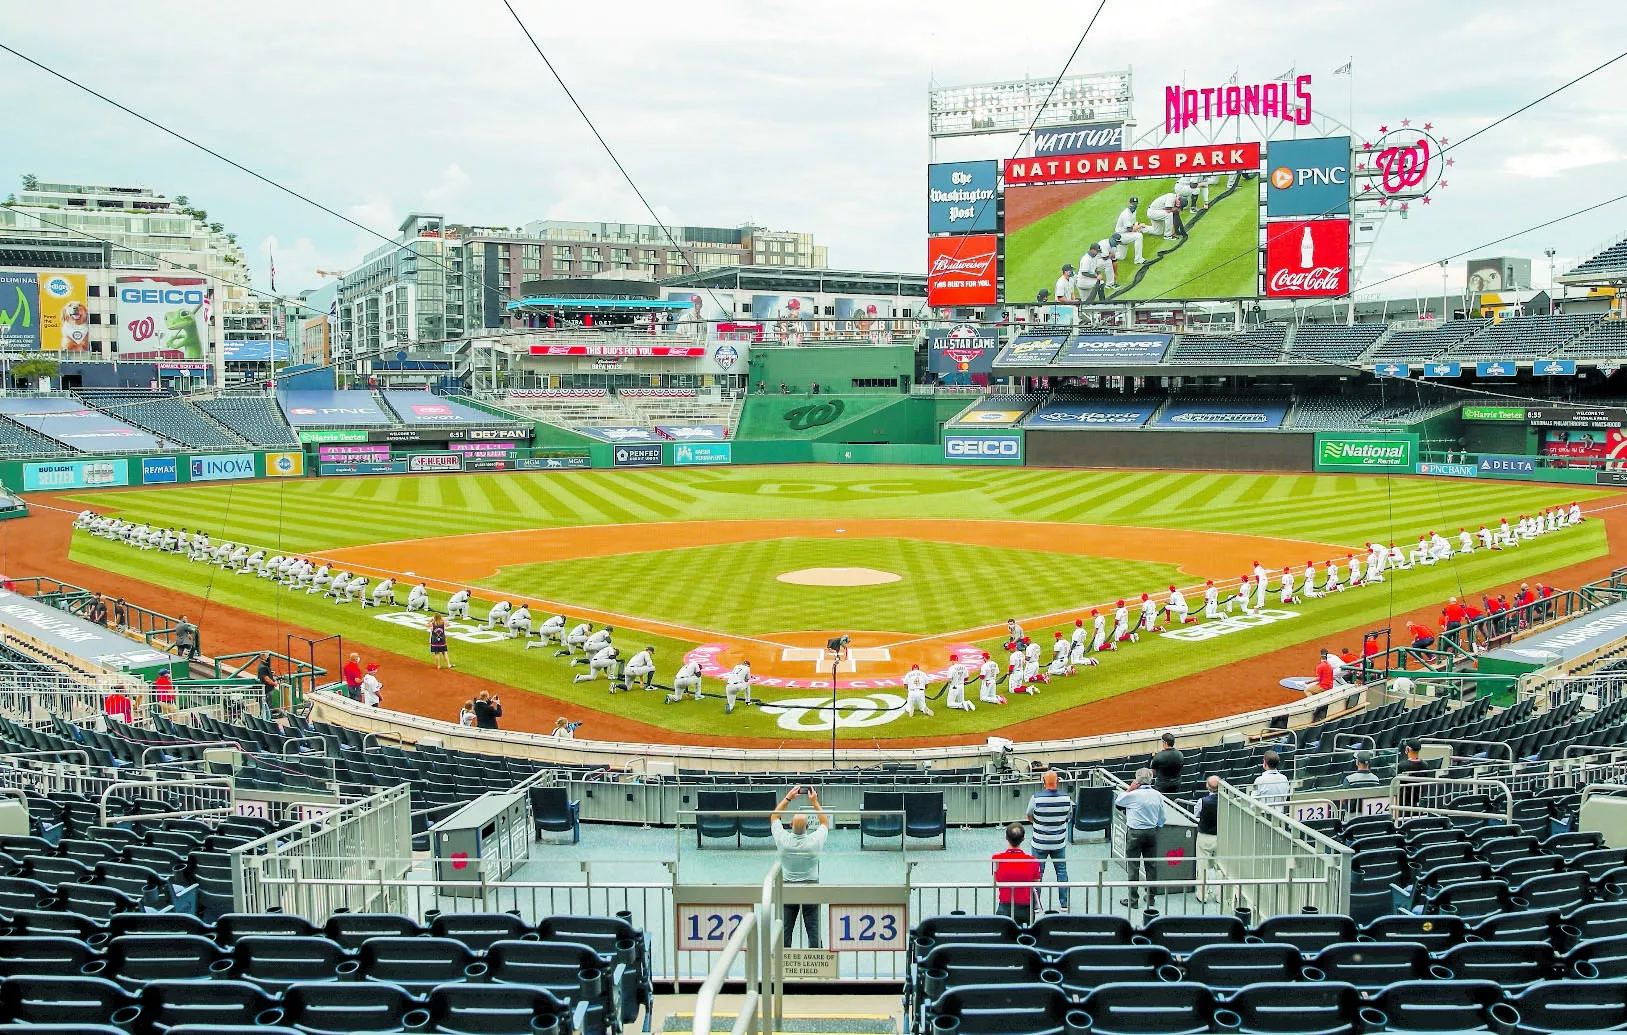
x=869, y=681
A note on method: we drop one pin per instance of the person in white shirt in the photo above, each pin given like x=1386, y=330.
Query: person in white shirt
x=551, y=630
x=1149, y=614
x=915, y=683
x=1376, y=558
x=955, y=694
x=498, y=615
x=1261, y=578
x=1355, y=563
x=518, y=623
x=1484, y=535
x=1288, y=583
x=738, y=685
x=1033, y=652
x=418, y=598
x=688, y=678
x=1243, y=597
x=1465, y=541
x=457, y=605
x=1078, y=649
x=1095, y=274
x=1271, y=787
x=1420, y=554
x=1188, y=189
x=1164, y=216
x=1121, y=625
x=1179, y=612
x=356, y=589
x=1309, y=579
x=273, y=567
x=598, y=640
x=1064, y=291
x=466, y=715
x=1129, y=231
x=1016, y=668
x=641, y=668
x=320, y=580
x=383, y=593
x=1059, y=666
x=576, y=638
x=337, y=585
x=1439, y=548
x=1333, y=583
x=603, y=660
x=988, y=674
x=1575, y=517
x=1211, y=599
x=372, y=689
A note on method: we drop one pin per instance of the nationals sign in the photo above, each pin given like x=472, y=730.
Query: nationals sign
x=962, y=270
x=1120, y=165
x=1307, y=259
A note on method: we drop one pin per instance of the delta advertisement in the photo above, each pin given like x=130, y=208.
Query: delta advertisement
x=962, y=271
x=76, y=474
x=168, y=316
x=961, y=198
x=1381, y=454
x=1308, y=177
x=1307, y=259
x=962, y=350
x=1179, y=238
x=1086, y=350
x=1584, y=443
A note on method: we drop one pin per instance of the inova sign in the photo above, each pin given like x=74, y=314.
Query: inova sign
x=1365, y=453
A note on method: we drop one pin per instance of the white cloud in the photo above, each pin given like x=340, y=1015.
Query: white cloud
x=1561, y=157
x=454, y=181
x=376, y=212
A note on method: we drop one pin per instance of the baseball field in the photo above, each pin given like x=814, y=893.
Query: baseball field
x=1049, y=225
x=725, y=564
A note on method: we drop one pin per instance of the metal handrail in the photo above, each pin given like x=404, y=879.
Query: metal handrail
x=1398, y=809
x=159, y=785
x=1500, y=745
x=765, y=919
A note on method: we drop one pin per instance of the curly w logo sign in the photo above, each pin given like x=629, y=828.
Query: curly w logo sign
x=1386, y=453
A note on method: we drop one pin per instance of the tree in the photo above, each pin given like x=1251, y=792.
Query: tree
x=30, y=181
x=32, y=369
x=217, y=227
x=182, y=201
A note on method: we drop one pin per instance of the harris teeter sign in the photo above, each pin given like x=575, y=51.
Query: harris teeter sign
x=1379, y=453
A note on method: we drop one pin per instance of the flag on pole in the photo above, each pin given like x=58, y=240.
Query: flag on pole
x=1344, y=69
x=273, y=270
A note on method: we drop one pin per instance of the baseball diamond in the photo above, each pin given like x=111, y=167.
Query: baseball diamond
x=690, y=564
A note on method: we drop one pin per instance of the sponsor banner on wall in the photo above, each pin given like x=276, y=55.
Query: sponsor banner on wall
x=1307, y=259
x=64, y=312
x=1443, y=369
x=1120, y=165
x=552, y=463
x=482, y=448
x=1612, y=478
x=1554, y=368
x=1584, y=443
x=623, y=433
x=868, y=318
x=1493, y=463
x=159, y=470
x=1222, y=416
x=1449, y=470
x=392, y=467
x=962, y=271
x=348, y=454
x=964, y=349
x=726, y=357
x=334, y=435
x=215, y=468
x=254, y=350
x=1393, y=370
x=627, y=351
x=1007, y=449
x=1565, y=643
x=636, y=456
x=434, y=463
x=785, y=318
x=693, y=432
x=1091, y=414
x=285, y=465
x=695, y=454
x=1308, y=177
x=306, y=408
x=1032, y=350
x=960, y=197
x=19, y=312
x=1496, y=368
x=167, y=315
x=707, y=309
x=1593, y=417
x=1381, y=453
x=1508, y=413
x=76, y=474
x=1089, y=138
x=1086, y=349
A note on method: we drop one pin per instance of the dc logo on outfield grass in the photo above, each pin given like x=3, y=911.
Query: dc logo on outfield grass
x=1229, y=624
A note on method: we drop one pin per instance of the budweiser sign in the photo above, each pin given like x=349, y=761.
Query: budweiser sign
x=1307, y=259
x=962, y=271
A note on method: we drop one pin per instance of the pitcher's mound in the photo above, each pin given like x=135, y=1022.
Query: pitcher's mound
x=838, y=577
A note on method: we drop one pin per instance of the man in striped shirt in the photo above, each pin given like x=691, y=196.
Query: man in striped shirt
x=1049, y=811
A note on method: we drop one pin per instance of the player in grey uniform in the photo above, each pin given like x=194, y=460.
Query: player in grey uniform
x=1129, y=230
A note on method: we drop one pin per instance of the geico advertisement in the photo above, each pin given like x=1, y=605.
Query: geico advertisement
x=982, y=447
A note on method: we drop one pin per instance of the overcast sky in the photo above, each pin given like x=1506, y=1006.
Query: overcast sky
x=792, y=116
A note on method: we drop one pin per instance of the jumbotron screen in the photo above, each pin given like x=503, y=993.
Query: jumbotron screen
x=1204, y=248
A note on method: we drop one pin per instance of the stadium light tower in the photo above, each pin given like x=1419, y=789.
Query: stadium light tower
x=1550, y=253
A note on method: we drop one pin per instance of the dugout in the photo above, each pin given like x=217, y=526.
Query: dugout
x=1173, y=450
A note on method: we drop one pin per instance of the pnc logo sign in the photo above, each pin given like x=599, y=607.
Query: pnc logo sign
x=1308, y=177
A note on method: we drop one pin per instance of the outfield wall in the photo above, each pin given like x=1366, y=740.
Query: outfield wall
x=1179, y=450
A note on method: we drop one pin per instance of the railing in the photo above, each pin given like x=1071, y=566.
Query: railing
x=154, y=628
x=208, y=797
x=1417, y=794
x=757, y=939
x=350, y=858
x=1599, y=690
x=1278, y=857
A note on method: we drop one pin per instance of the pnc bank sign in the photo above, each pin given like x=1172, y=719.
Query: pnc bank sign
x=1308, y=177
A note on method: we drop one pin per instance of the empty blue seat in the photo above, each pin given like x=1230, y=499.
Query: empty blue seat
x=1598, y=920
x=342, y=1006
x=479, y=930
x=1233, y=966
x=496, y=1009
x=1435, y=933
x=1600, y=957
x=1141, y=1009
x=1527, y=925
x=1510, y=964
x=1553, y=1006
x=1088, y=966
x=1056, y=933
x=274, y=962
x=43, y=954
x=1007, y=1009
x=352, y=929
x=1563, y=891
x=165, y=1004
x=65, y=1000
x=881, y=817
x=416, y=964
x=1438, y=1005
x=946, y=929
x=949, y=966
x=1182, y=934
x=232, y=926
x=1371, y=965
x=1323, y=1008
x=1310, y=933
x=136, y=959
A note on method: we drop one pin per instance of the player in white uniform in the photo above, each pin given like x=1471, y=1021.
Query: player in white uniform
x=1164, y=216
x=1149, y=614
x=356, y=589
x=576, y=638
x=955, y=694
x=1309, y=579
x=1179, y=612
x=1243, y=597
x=498, y=614
x=1065, y=285
x=1129, y=230
x=1211, y=600
x=238, y=556
x=688, y=678
x=551, y=630
x=518, y=623
x=1485, y=536
x=1355, y=563
x=1261, y=579
x=1287, y=593
x=272, y=568
x=1189, y=188
x=321, y=578
x=1398, y=558
x=915, y=691
x=1505, y=537
x=418, y=598
x=1332, y=583
x=1465, y=541
x=599, y=639
x=383, y=593
x=253, y=562
x=988, y=687
x=1121, y=625
x=1059, y=666
x=640, y=668
x=1078, y=649
x=1553, y=518
x=1095, y=274
x=83, y=520
x=1420, y=554
x=737, y=685
x=457, y=605
x=603, y=660
x=1575, y=515
x=1032, y=651
x=1439, y=548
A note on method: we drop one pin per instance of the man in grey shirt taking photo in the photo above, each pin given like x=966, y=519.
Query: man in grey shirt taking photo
x=799, y=850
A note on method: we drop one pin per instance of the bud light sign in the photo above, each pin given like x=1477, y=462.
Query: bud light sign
x=1307, y=259
x=983, y=448
x=960, y=197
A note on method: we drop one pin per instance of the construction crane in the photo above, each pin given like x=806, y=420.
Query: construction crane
x=330, y=273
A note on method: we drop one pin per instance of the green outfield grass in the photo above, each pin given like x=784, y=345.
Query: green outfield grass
x=1197, y=269
x=732, y=588
x=314, y=514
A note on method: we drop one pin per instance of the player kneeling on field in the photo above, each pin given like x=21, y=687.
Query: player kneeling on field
x=457, y=605
x=688, y=678
x=576, y=638
x=737, y=685
x=498, y=615
x=915, y=683
x=356, y=589
x=551, y=631
x=640, y=669
x=603, y=660
x=955, y=694
x=518, y=623
x=418, y=598
x=383, y=593
x=595, y=642
x=989, y=675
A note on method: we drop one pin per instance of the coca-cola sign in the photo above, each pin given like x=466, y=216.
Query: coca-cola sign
x=1307, y=259
x=962, y=271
